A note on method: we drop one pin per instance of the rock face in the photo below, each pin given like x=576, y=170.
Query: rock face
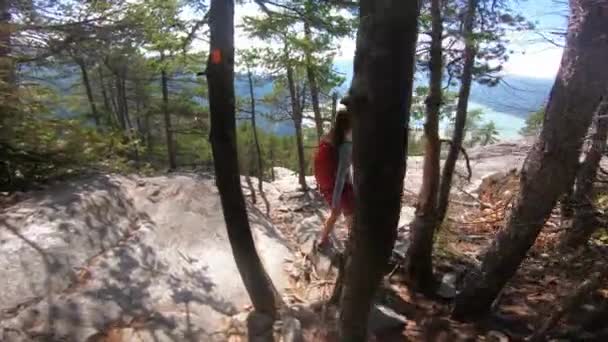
x=147, y=259
x=485, y=161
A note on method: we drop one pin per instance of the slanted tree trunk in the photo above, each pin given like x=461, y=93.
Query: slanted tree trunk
x=419, y=255
x=312, y=83
x=171, y=153
x=89, y=91
x=585, y=221
x=256, y=140
x=296, y=111
x=470, y=52
x=220, y=78
x=379, y=98
x=552, y=162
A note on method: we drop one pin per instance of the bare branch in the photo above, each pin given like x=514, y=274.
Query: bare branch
x=466, y=157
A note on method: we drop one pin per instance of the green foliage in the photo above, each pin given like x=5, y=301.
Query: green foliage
x=534, y=123
x=277, y=151
x=45, y=148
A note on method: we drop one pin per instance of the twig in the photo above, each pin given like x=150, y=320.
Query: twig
x=466, y=157
x=466, y=204
x=483, y=205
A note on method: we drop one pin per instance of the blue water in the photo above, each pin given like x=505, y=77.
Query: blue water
x=507, y=104
x=507, y=125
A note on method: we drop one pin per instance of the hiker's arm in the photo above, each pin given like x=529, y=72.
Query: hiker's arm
x=343, y=164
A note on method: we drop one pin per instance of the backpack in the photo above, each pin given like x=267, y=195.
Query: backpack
x=325, y=165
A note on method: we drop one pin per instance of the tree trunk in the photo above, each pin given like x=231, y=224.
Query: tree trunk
x=168, y=129
x=585, y=222
x=117, y=103
x=258, y=148
x=552, y=162
x=419, y=258
x=334, y=107
x=470, y=52
x=254, y=199
x=297, y=123
x=271, y=156
x=7, y=72
x=125, y=101
x=380, y=99
x=112, y=120
x=312, y=82
x=220, y=78
x=7, y=65
x=87, y=87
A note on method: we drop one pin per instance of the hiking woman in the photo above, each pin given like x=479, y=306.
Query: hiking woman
x=332, y=172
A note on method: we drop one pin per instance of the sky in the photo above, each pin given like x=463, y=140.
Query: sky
x=533, y=57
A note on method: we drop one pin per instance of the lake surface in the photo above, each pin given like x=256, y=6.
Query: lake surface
x=507, y=125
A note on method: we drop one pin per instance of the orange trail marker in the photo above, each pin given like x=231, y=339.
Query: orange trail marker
x=216, y=56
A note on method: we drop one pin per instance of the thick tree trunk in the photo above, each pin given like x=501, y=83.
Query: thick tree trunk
x=171, y=153
x=220, y=78
x=312, y=82
x=419, y=254
x=552, y=162
x=89, y=91
x=256, y=140
x=380, y=98
x=296, y=111
x=585, y=221
x=470, y=52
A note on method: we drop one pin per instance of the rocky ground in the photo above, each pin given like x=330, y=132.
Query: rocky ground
x=117, y=258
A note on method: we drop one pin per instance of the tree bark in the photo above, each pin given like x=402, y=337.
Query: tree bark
x=112, y=120
x=220, y=78
x=7, y=65
x=551, y=164
x=171, y=153
x=296, y=111
x=380, y=99
x=89, y=91
x=470, y=52
x=419, y=255
x=585, y=221
x=334, y=107
x=7, y=72
x=118, y=103
x=256, y=140
x=312, y=83
x=254, y=198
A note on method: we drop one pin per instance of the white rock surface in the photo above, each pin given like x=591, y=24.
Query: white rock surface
x=109, y=250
